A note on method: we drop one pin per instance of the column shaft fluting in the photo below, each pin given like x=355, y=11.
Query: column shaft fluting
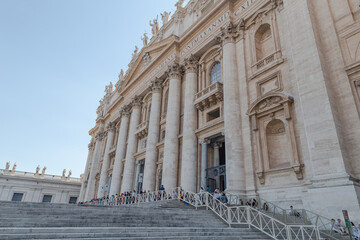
x=235, y=172
x=86, y=172
x=106, y=160
x=171, y=144
x=189, y=146
x=129, y=167
x=120, y=152
x=90, y=190
x=204, y=144
x=153, y=137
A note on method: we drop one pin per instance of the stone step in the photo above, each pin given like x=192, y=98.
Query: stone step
x=139, y=233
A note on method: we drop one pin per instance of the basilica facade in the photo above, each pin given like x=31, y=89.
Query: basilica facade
x=253, y=97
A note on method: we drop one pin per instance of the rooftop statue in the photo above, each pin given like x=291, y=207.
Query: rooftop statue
x=37, y=169
x=43, y=171
x=165, y=17
x=135, y=53
x=121, y=75
x=109, y=88
x=179, y=4
x=69, y=175
x=64, y=172
x=145, y=39
x=154, y=27
x=14, y=167
x=7, y=166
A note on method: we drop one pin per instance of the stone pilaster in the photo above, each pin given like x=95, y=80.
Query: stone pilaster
x=171, y=145
x=189, y=146
x=120, y=151
x=86, y=172
x=129, y=167
x=110, y=128
x=235, y=174
x=90, y=191
x=153, y=136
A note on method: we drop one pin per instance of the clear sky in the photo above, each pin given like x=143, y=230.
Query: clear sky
x=56, y=56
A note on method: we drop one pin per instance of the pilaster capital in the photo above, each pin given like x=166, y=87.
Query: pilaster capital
x=357, y=83
x=100, y=136
x=175, y=71
x=156, y=85
x=191, y=64
x=204, y=141
x=117, y=126
x=136, y=102
x=110, y=127
x=228, y=34
x=125, y=111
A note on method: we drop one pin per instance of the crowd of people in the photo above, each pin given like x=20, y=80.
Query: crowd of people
x=338, y=227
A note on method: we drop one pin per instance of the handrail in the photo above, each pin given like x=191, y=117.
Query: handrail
x=265, y=221
x=298, y=216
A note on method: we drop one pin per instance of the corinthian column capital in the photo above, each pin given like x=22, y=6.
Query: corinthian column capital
x=175, y=71
x=100, y=135
x=110, y=126
x=191, y=64
x=156, y=85
x=136, y=102
x=125, y=111
x=228, y=34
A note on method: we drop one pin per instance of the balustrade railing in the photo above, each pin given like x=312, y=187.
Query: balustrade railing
x=211, y=88
x=142, y=125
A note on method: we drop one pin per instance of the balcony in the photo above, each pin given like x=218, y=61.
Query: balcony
x=266, y=63
x=142, y=129
x=209, y=96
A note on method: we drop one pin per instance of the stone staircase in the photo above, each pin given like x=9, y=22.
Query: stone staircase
x=157, y=220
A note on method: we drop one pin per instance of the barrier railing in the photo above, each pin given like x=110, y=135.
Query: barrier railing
x=271, y=220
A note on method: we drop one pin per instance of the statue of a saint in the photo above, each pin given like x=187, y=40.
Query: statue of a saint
x=154, y=27
x=145, y=39
x=14, y=167
x=121, y=75
x=109, y=88
x=135, y=53
x=179, y=4
x=64, y=172
x=43, y=171
x=37, y=169
x=69, y=175
x=165, y=17
x=7, y=166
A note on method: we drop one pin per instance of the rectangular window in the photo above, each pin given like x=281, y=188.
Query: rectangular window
x=47, y=198
x=17, y=197
x=73, y=200
x=213, y=114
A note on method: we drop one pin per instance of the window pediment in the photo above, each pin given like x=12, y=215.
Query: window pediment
x=269, y=101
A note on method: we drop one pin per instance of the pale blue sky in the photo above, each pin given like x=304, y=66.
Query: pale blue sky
x=56, y=56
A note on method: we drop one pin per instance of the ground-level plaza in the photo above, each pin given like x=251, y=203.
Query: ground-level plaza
x=251, y=97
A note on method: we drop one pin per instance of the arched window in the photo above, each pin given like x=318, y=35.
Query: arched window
x=263, y=42
x=215, y=74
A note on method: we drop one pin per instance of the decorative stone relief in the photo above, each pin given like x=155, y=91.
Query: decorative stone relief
x=100, y=136
x=147, y=58
x=110, y=126
x=156, y=85
x=125, y=110
x=136, y=102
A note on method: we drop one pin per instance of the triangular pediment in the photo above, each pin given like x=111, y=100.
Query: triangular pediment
x=147, y=57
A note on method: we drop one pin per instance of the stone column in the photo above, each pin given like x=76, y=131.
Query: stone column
x=171, y=144
x=106, y=160
x=86, y=171
x=90, y=191
x=189, y=146
x=235, y=172
x=129, y=167
x=204, y=143
x=216, y=161
x=138, y=166
x=120, y=151
x=153, y=137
